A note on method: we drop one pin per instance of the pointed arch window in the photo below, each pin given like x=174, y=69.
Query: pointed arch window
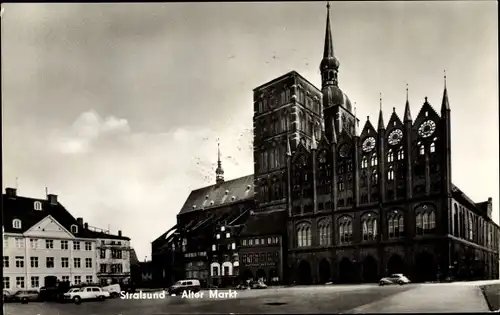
x=396, y=225
x=364, y=162
x=369, y=228
x=302, y=122
x=374, y=160
x=324, y=233
x=401, y=154
x=425, y=220
x=364, y=179
x=345, y=230
x=432, y=148
x=421, y=150
x=264, y=165
x=390, y=174
x=341, y=185
x=276, y=157
x=390, y=156
x=374, y=177
x=276, y=125
x=283, y=122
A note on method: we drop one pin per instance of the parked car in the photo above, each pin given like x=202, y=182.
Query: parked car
x=397, y=278
x=25, y=296
x=113, y=289
x=7, y=296
x=192, y=285
x=258, y=285
x=77, y=295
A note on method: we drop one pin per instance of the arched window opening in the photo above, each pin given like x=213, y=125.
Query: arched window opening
x=432, y=148
x=390, y=156
x=422, y=149
x=374, y=178
x=369, y=229
x=364, y=162
x=401, y=154
x=374, y=160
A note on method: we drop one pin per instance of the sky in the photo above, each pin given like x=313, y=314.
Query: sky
x=117, y=107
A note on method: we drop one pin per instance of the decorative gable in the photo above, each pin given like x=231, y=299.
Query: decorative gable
x=368, y=130
x=427, y=112
x=394, y=122
x=48, y=227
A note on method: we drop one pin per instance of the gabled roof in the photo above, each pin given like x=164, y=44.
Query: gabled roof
x=215, y=195
x=265, y=223
x=22, y=208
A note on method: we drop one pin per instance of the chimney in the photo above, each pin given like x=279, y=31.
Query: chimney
x=490, y=208
x=52, y=199
x=86, y=226
x=119, y=232
x=79, y=221
x=11, y=192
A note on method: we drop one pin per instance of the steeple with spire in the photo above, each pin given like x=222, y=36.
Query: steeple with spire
x=445, y=105
x=219, y=172
x=337, y=108
x=381, y=125
x=407, y=116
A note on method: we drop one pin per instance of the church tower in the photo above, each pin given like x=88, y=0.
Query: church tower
x=219, y=172
x=337, y=109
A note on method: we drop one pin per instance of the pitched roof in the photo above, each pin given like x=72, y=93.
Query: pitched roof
x=23, y=208
x=265, y=223
x=215, y=195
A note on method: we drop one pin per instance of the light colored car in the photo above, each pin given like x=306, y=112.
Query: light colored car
x=113, y=289
x=77, y=295
x=397, y=278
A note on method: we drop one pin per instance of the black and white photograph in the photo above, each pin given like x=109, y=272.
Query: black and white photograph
x=250, y=157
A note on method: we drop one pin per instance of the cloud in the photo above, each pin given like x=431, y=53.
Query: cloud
x=107, y=173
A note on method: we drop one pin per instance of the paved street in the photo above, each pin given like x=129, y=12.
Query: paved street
x=418, y=298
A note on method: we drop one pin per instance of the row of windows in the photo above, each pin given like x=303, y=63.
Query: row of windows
x=261, y=241
x=111, y=268
x=49, y=244
x=49, y=262
x=35, y=281
x=17, y=224
x=472, y=227
x=197, y=254
x=257, y=258
x=267, y=102
x=273, y=191
x=425, y=224
x=271, y=159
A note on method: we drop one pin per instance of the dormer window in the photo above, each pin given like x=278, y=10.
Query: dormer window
x=233, y=246
x=223, y=228
x=218, y=236
x=74, y=229
x=214, y=248
x=16, y=223
x=228, y=235
x=38, y=205
x=227, y=192
x=211, y=202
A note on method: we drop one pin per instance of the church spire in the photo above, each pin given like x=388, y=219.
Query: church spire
x=445, y=105
x=355, y=122
x=407, y=107
x=329, y=64
x=381, y=125
x=328, y=49
x=219, y=172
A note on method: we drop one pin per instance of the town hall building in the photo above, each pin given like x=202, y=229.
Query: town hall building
x=347, y=203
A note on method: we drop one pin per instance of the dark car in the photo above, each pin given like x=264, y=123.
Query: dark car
x=179, y=287
x=25, y=296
